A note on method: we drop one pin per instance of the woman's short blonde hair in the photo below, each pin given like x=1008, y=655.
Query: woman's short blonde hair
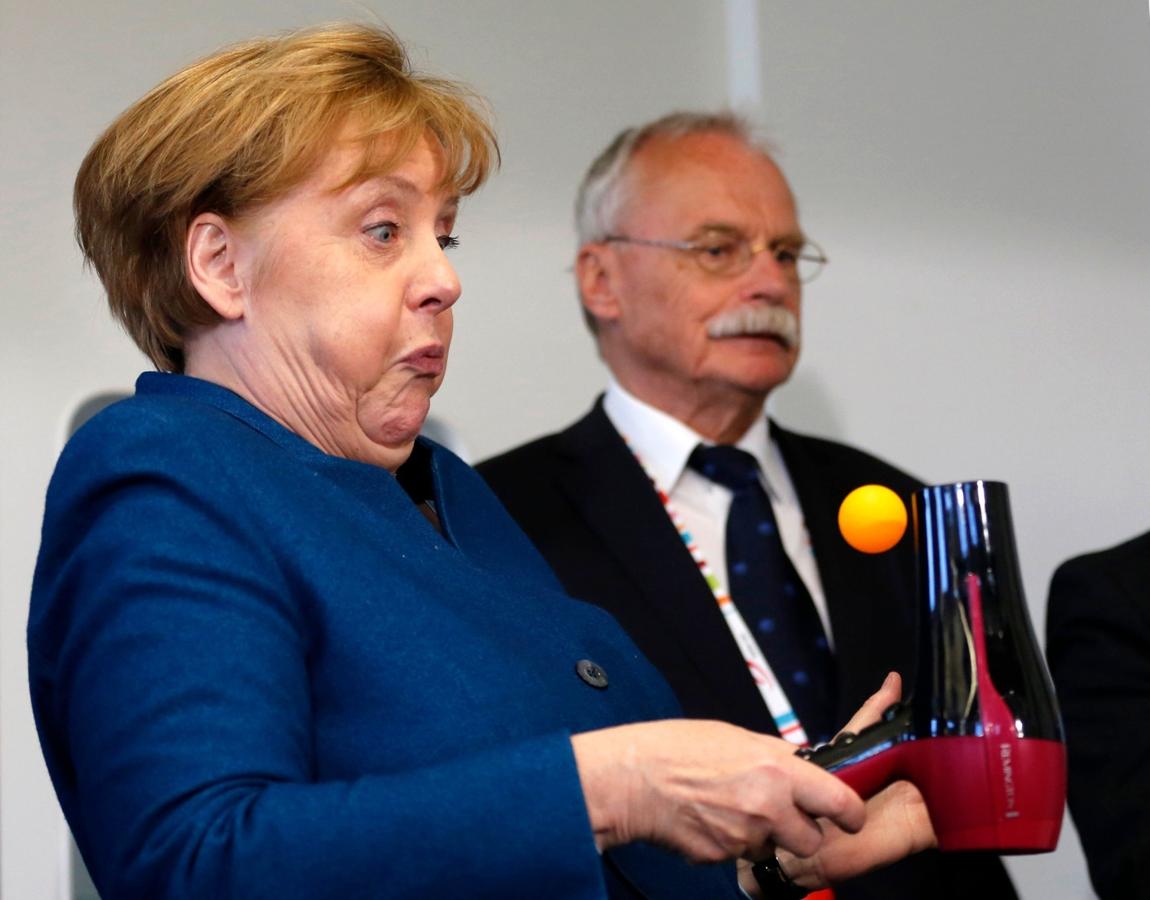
x=238, y=129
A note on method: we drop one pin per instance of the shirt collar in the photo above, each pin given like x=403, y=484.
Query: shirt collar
x=663, y=443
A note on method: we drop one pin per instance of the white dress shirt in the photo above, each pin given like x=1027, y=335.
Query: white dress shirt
x=663, y=445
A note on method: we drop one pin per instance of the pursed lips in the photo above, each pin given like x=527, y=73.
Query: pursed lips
x=428, y=360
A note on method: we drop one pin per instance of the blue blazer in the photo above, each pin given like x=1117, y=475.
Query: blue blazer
x=258, y=671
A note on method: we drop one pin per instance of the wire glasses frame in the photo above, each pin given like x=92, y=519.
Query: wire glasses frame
x=732, y=254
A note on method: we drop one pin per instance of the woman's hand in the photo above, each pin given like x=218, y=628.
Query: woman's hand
x=888, y=694
x=710, y=790
x=897, y=822
x=714, y=791
x=897, y=825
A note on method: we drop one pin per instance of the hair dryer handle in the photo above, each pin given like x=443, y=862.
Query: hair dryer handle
x=870, y=760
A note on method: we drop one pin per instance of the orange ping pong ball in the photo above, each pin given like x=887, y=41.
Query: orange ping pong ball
x=872, y=518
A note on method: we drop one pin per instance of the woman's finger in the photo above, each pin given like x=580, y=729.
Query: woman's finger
x=872, y=709
x=818, y=793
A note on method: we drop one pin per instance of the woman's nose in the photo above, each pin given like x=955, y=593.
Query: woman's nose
x=436, y=285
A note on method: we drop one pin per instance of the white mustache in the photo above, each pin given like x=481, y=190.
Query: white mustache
x=755, y=319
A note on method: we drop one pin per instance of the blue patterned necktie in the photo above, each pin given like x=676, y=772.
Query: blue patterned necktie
x=769, y=593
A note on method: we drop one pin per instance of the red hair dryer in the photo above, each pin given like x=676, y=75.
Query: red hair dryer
x=980, y=736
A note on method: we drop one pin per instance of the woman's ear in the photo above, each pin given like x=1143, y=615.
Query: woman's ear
x=596, y=274
x=211, y=255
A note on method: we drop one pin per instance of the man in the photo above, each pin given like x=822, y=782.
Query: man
x=726, y=568
x=1098, y=646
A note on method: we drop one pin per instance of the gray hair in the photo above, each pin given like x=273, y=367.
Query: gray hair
x=603, y=192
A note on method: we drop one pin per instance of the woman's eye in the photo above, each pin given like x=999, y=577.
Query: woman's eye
x=448, y=241
x=384, y=232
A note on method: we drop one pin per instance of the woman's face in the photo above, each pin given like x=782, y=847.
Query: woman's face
x=348, y=296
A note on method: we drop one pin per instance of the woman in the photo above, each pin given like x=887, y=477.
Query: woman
x=281, y=647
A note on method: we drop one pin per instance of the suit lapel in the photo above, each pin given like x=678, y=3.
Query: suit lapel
x=670, y=598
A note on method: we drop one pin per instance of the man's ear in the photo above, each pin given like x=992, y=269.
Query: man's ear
x=211, y=253
x=597, y=275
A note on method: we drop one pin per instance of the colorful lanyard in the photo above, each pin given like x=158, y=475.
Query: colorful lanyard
x=772, y=692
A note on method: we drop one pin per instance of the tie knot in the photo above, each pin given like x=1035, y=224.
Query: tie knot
x=729, y=466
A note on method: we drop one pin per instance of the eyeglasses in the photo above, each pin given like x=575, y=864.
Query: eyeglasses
x=730, y=253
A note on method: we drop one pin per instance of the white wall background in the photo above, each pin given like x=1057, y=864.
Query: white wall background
x=978, y=172
x=975, y=170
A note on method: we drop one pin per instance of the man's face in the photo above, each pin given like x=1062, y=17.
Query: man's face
x=673, y=330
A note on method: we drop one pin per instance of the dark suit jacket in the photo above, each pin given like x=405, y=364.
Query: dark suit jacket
x=1098, y=646
x=589, y=507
